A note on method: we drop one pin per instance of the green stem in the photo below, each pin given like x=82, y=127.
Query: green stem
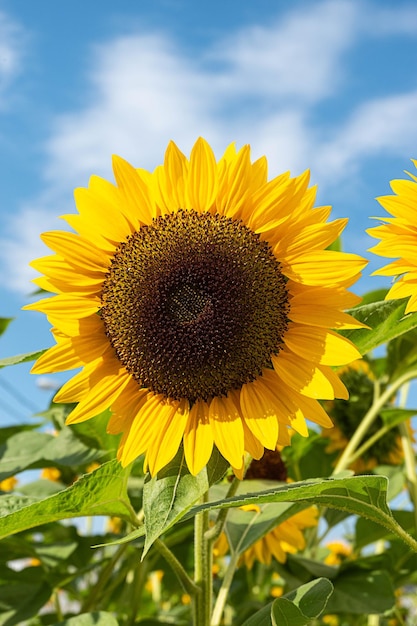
x=215, y=531
x=203, y=569
x=91, y=602
x=57, y=604
x=410, y=466
x=370, y=442
x=138, y=584
x=369, y=418
x=178, y=569
x=224, y=590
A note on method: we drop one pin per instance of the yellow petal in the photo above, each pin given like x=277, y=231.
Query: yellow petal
x=324, y=267
x=303, y=376
x=226, y=424
x=198, y=438
x=77, y=250
x=202, y=177
x=260, y=413
x=136, y=193
x=168, y=438
x=320, y=345
x=65, y=305
x=101, y=396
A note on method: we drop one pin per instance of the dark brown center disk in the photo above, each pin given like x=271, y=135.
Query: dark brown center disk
x=194, y=305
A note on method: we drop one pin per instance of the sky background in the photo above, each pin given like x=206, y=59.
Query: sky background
x=330, y=86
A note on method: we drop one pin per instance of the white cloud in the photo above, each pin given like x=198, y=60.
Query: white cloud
x=12, y=44
x=21, y=244
x=296, y=58
x=262, y=85
x=381, y=126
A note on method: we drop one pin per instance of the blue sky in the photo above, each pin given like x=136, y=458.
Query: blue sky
x=328, y=85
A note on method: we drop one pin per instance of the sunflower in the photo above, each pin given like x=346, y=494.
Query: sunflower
x=338, y=552
x=285, y=538
x=399, y=239
x=346, y=417
x=199, y=301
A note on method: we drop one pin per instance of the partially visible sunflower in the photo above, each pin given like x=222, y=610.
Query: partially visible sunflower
x=285, y=538
x=199, y=301
x=399, y=239
x=346, y=416
x=339, y=552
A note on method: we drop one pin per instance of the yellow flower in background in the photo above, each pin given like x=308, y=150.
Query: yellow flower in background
x=286, y=538
x=8, y=484
x=330, y=620
x=51, y=473
x=398, y=237
x=199, y=301
x=93, y=466
x=339, y=551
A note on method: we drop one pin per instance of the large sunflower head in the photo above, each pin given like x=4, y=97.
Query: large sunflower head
x=200, y=302
x=398, y=237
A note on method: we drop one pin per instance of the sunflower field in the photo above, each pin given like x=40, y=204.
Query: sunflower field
x=235, y=445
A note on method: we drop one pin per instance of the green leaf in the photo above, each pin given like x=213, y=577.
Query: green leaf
x=386, y=321
x=28, y=449
x=102, y=492
x=4, y=322
x=302, y=605
x=93, y=433
x=367, y=532
x=392, y=416
x=168, y=496
x=97, y=618
x=359, y=495
x=22, y=596
x=359, y=591
x=10, y=431
x=402, y=354
x=21, y=451
x=296, y=608
x=244, y=528
x=21, y=358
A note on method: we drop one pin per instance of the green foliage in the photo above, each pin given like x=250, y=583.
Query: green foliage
x=386, y=321
x=85, y=541
x=296, y=608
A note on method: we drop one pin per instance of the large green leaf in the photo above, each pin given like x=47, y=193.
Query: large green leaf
x=360, y=591
x=102, y=492
x=296, y=608
x=168, y=496
x=386, y=321
x=365, y=496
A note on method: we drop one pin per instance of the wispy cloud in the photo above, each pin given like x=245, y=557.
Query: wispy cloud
x=12, y=46
x=262, y=85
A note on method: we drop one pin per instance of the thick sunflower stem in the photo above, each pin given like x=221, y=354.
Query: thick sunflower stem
x=369, y=418
x=203, y=562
